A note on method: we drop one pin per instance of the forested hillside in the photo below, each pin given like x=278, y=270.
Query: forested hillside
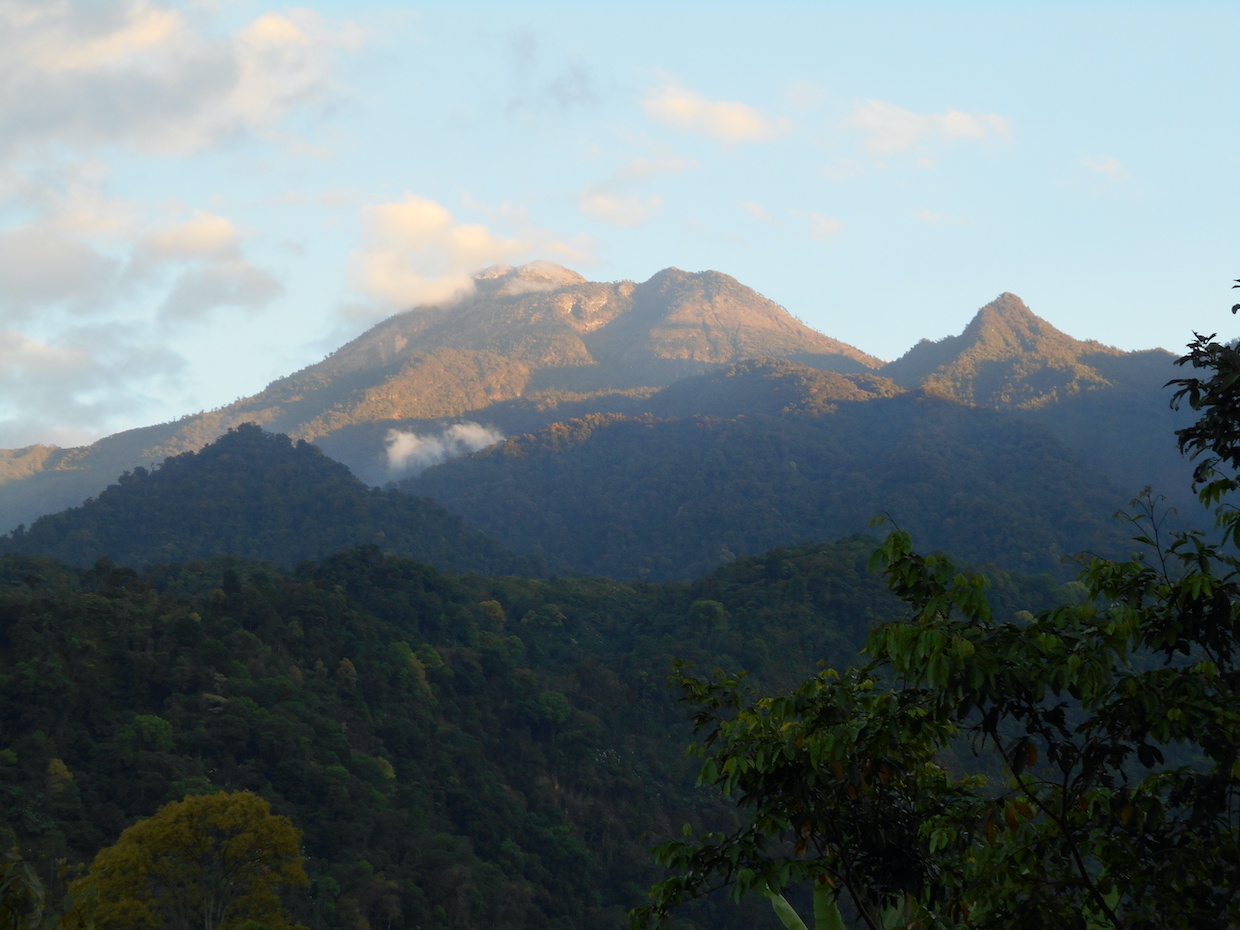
x=257, y=496
x=640, y=497
x=458, y=752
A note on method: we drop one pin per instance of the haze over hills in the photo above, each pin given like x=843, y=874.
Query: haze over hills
x=540, y=344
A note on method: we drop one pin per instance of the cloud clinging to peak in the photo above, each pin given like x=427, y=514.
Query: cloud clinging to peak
x=416, y=252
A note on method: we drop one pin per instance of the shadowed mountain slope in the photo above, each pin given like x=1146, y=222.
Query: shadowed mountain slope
x=788, y=455
x=1109, y=405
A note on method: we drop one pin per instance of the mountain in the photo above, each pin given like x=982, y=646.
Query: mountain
x=1006, y=357
x=1011, y=442
x=529, y=337
x=1110, y=406
x=257, y=496
x=730, y=463
x=785, y=455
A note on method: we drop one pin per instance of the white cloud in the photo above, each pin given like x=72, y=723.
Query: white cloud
x=842, y=169
x=724, y=120
x=536, y=92
x=577, y=252
x=202, y=235
x=409, y=453
x=930, y=218
x=85, y=253
x=824, y=227
x=228, y=282
x=641, y=168
x=141, y=75
x=82, y=381
x=889, y=128
x=40, y=268
x=1107, y=165
x=759, y=212
x=619, y=209
x=416, y=252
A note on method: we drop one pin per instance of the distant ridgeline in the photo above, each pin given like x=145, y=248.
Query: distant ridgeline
x=655, y=498
x=539, y=344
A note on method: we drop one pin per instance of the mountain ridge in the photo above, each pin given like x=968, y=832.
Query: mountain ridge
x=532, y=338
x=1005, y=356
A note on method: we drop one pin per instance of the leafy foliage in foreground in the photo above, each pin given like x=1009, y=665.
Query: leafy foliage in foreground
x=1114, y=719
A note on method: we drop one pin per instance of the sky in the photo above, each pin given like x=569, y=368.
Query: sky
x=198, y=198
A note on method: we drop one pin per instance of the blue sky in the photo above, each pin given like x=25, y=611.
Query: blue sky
x=198, y=198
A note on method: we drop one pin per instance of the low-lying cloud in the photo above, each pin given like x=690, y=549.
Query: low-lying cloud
x=409, y=453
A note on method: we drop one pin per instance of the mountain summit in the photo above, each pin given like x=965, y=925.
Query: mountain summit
x=533, y=334
x=1006, y=357
x=546, y=327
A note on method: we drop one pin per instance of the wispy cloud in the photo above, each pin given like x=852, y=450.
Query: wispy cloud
x=759, y=212
x=81, y=380
x=726, y=121
x=1108, y=166
x=409, y=453
x=143, y=76
x=930, y=218
x=642, y=168
x=889, y=128
x=82, y=251
x=535, y=90
x=824, y=227
x=619, y=209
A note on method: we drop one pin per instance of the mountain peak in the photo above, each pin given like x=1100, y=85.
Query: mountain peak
x=1006, y=325
x=531, y=278
x=1006, y=356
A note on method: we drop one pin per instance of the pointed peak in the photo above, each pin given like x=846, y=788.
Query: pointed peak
x=1007, y=320
x=1006, y=306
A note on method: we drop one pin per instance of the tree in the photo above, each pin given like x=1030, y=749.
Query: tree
x=22, y=898
x=1074, y=769
x=208, y=862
